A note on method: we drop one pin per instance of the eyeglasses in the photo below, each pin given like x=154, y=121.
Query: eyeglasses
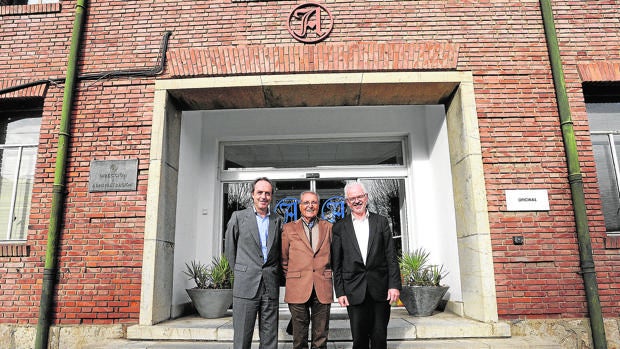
x=355, y=198
x=306, y=203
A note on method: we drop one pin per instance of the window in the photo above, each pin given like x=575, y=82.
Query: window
x=604, y=121
x=297, y=154
x=19, y=137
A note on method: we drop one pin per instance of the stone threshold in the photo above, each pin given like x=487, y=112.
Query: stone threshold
x=402, y=327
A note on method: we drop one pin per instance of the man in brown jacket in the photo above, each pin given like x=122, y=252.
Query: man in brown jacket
x=306, y=264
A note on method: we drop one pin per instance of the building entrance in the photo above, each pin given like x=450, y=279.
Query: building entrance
x=399, y=152
x=442, y=168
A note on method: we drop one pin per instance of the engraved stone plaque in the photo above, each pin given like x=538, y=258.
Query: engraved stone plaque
x=113, y=175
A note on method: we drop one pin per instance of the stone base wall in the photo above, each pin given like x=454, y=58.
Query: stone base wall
x=570, y=333
x=61, y=337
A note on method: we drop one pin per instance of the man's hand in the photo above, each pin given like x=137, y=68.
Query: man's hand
x=343, y=301
x=392, y=296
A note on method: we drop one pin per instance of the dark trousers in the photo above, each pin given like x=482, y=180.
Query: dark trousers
x=369, y=322
x=302, y=315
x=244, y=319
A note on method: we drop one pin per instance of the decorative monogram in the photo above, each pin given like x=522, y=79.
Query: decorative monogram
x=310, y=23
x=333, y=209
x=287, y=208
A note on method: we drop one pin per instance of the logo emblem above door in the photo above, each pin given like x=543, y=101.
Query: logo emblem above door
x=310, y=23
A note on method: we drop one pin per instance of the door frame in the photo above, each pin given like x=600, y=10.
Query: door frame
x=473, y=230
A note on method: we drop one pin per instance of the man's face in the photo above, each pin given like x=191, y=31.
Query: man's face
x=309, y=206
x=357, y=199
x=262, y=195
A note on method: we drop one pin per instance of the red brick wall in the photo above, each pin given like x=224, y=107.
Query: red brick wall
x=501, y=42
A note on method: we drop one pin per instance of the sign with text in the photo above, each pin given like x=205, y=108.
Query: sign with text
x=113, y=175
x=527, y=200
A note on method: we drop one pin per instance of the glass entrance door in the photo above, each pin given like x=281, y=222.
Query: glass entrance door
x=386, y=197
x=321, y=165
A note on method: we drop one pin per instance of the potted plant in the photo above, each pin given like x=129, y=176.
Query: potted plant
x=422, y=290
x=212, y=295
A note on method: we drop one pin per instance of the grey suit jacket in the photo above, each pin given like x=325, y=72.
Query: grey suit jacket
x=243, y=251
x=353, y=278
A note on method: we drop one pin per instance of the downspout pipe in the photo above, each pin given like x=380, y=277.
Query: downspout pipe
x=575, y=180
x=51, y=261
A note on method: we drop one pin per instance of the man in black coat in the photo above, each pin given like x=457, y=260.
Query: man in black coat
x=365, y=268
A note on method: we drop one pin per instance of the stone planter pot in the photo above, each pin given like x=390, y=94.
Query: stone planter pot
x=422, y=300
x=211, y=303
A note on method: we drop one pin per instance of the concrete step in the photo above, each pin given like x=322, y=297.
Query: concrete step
x=441, y=330
x=402, y=326
x=471, y=343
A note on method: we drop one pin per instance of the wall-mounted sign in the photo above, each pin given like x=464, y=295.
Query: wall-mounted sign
x=527, y=200
x=310, y=23
x=113, y=175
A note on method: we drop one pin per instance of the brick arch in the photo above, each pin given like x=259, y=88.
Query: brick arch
x=599, y=71
x=348, y=57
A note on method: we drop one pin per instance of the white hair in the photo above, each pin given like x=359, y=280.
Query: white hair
x=350, y=184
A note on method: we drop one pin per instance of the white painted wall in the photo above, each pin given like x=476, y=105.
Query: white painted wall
x=430, y=216
x=436, y=230
x=187, y=232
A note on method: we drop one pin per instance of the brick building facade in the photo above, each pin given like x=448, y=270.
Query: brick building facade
x=486, y=62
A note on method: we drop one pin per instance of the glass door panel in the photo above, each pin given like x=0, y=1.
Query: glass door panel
x=237, y=196
x=386, y=196
x=332, y=206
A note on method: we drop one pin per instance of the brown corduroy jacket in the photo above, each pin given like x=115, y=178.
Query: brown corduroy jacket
x=304, y=268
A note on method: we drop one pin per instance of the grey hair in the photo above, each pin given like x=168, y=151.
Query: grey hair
x=310, y=192
x=350, y=184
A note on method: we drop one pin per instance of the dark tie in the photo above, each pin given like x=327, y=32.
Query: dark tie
x=310, y=225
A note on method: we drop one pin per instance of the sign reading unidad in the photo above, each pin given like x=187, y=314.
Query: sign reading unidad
x=527, y=200
x=113, y=175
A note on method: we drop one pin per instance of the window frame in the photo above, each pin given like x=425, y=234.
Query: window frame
x=12, y=108
x=605, y=93
x=16, y=179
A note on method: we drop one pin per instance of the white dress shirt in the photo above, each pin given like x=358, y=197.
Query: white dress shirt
x=362, y=230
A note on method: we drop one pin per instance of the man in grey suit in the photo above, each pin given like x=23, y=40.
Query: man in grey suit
x=252, y=247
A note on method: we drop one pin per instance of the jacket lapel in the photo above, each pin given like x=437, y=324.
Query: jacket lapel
x=372, y=231
x=271, y=232
x=250, y=221
x=322, y=232
x=348, y=224
x=301, y=231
